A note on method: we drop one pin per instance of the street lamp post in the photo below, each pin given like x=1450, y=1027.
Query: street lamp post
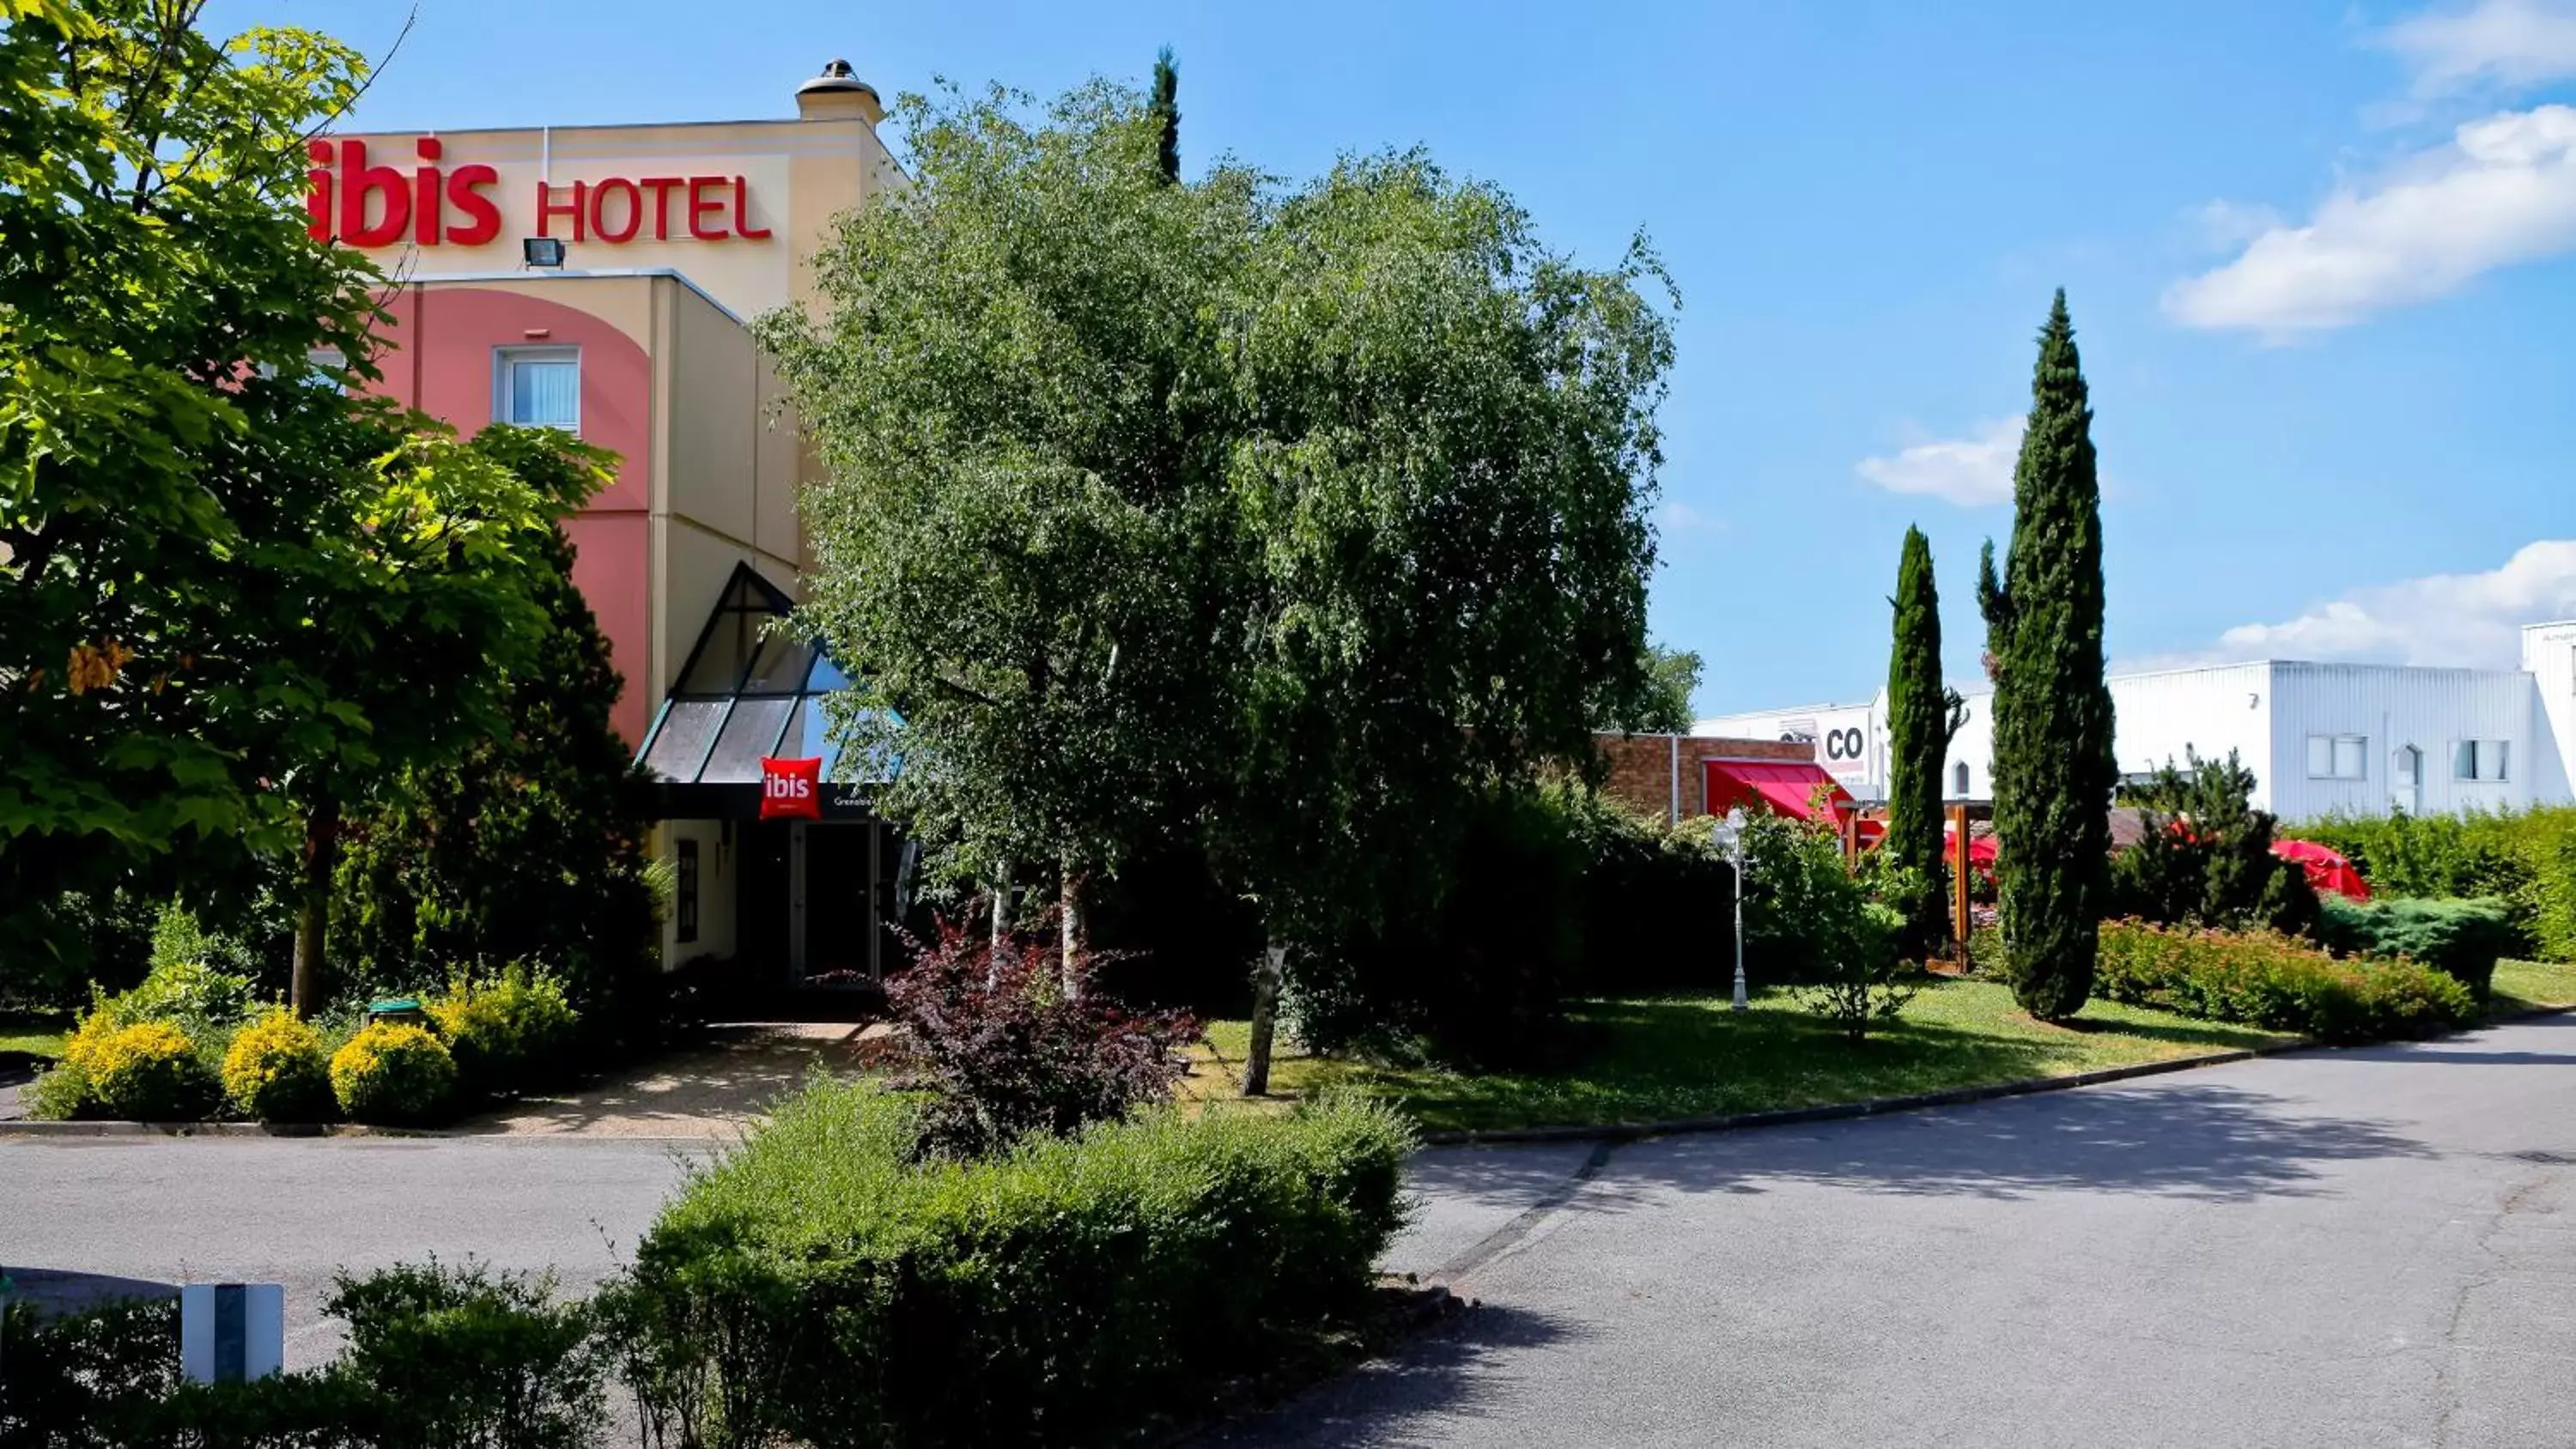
x=1730, y=833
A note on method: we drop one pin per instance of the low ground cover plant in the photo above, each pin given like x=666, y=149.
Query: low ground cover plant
x=820, y=1284
x=2278, y=982
x=2462, y=939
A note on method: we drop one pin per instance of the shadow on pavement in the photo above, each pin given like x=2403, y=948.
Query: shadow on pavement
x=2211, y=1142
x=55, y=1291
x=1405, y=1399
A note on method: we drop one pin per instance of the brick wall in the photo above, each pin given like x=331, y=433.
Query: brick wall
x=1641, y=766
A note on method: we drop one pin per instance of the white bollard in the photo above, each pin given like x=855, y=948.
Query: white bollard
x=229, y=1332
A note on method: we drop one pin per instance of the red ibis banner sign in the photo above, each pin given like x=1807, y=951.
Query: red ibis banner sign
x=363, y=202
x=791, y=789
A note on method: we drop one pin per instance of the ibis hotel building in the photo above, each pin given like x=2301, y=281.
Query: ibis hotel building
x=599, y=279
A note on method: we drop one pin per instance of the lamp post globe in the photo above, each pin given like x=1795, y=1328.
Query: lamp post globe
x=1730, y=833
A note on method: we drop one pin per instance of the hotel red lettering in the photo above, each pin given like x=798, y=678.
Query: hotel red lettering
x=377, y=206
x=366, y=204
x=791, y=789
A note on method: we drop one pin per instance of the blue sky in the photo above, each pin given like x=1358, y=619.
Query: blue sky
x=2321, y=258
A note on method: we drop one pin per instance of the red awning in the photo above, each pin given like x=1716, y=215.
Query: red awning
x=2326, y=868
x=1784, y=787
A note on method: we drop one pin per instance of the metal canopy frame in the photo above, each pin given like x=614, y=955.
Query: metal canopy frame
x=715, y=725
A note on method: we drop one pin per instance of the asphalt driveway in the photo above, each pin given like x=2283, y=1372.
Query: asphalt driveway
x=2370, y=1247
x=2330, y=1248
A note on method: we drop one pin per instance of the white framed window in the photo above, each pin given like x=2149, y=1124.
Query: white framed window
x=537, y=387
x=2338, y=757
x=324, y=367
x=2480, y=760
x=1959, y=779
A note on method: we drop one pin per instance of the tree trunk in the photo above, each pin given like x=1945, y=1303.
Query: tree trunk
x=1069, y=909
x=1001, y=925
x=313, y=908
x=1265, y=1018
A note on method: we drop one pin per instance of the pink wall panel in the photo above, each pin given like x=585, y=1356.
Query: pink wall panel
x=439, y=358
x=612, y=566
x=459, y=329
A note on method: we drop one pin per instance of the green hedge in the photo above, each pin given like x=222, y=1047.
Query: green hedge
x=2461, y=939
x=438, y=1357
x=2525, y=858
x=818, y=1286
x=2276, y=982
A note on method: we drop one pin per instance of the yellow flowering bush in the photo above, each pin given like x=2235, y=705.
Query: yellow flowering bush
x=509, y=1034
x=148, y=1072
x=394, y=1074
x=279, y=1070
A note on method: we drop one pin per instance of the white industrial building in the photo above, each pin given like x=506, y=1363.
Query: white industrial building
x=2354, y=739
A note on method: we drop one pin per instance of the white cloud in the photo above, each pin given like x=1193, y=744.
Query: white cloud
x=2506, y=42
x=2460, y=620
x=1971, y=472
x=2227, y=225
x=2503, y=191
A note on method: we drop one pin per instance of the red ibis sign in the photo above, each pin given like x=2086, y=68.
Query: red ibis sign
x=791, y=789
x=364, y=204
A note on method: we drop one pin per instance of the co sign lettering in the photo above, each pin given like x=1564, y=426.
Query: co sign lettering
x=1843, y=744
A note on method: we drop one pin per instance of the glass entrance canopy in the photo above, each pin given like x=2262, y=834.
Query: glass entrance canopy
x=752, y=690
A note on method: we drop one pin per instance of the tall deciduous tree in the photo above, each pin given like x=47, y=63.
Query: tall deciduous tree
x=2053, y=763
x=232, y=595
x=1273, y=522
x=1663, y=705
x=1440, y=489
x=533, y=845
x=1923, y=715
x=1018, y=391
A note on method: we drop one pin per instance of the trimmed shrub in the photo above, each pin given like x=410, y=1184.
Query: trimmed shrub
x=2524, y=858
x=508, y=1035
x=279, y=1070
x=437, y=1357
x=147, y=1072
x=1005, y=1051
x=2273, y=981
x=1531, y=896
x=469, y=1356
x=393, y=1074
x=816, y=1286
x=2461, y=939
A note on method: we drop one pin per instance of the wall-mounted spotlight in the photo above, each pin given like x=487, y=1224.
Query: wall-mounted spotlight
x=541, y=251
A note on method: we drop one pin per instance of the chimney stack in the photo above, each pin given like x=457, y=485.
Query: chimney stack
x=839, y=93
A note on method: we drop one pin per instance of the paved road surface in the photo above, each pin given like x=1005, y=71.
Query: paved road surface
x=2339, y=1249
x=2336, y=1249
x=140, y=1212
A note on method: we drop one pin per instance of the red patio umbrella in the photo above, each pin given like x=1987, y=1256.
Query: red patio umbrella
x=1981, y=850
x=2327, y=870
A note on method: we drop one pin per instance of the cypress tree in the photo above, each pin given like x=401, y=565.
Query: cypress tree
x=2053, y=768
x=1922, y=716
x=1167, y=112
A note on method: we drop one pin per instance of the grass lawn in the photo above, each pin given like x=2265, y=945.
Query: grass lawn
x=2530, y=985
x=40, y=1036
x=1689, y=1056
